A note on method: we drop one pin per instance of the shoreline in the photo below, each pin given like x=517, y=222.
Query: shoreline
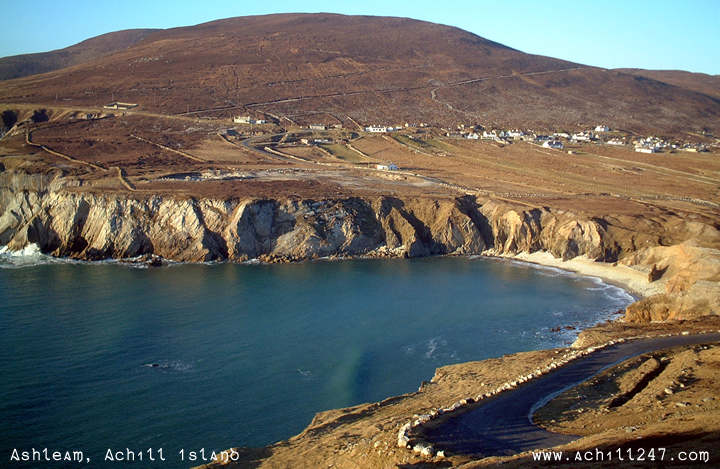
x=632, y=280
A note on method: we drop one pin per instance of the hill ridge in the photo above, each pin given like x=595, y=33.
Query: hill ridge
x=370, y=68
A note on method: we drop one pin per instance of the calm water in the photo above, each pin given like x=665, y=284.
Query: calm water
x=247, y=354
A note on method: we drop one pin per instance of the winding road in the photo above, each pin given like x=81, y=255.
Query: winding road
x=502, y=425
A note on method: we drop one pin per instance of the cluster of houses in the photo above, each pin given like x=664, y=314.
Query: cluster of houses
x=643, y=145
x=380, y=129
x=556, y=140
x=658, y=145
x=650, y=145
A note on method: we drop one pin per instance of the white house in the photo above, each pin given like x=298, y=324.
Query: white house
x=387, y=167
x=317, y=127
x=378, y=129
x=582, y=137
x=247, y=120
x=556, y=144
x=602, y=128
x=472, y=136
x=646, y=149
x=615, y=141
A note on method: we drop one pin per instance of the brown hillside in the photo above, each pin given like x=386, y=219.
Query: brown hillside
x=701, y=82
x=19, y=66
x=373, y=69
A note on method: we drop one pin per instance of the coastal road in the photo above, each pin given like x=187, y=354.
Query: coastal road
x=501, y=425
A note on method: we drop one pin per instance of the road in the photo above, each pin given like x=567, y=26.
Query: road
x=501, y=425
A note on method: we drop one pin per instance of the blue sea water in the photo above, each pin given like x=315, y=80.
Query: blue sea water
x=247, y=354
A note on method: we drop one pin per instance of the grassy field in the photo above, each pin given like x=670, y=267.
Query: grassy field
x=344, y=153
x=412, y=143
x=432, y=145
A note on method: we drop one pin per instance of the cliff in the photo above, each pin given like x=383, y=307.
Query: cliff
x=45, y=209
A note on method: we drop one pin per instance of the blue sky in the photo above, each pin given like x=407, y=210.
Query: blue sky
x=660, y=34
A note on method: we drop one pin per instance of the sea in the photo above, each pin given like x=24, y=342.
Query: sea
x=107, y=356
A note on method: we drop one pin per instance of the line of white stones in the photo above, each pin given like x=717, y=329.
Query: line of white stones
x=405, y=434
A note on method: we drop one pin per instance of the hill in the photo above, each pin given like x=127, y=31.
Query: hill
x=325, y=67
x=700, y=82
x=19, y=66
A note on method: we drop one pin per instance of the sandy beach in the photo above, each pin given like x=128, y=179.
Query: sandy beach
x=629, y=278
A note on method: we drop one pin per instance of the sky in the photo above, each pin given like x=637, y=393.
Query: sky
x=659, y=34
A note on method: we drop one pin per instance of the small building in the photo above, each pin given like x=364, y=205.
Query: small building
x=387, y=167
x=582, y=137
x=317, y=127
x=247, y=120
x=472, y=136
x=647, y=149
x=602, y=128
x=615, y=141
x=378, y=129
x=556, y=144
x=120, y=106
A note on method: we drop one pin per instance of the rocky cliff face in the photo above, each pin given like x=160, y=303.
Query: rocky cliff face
x=64, y=221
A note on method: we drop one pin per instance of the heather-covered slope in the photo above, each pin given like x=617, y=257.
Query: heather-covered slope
x=18, y=66
x=325, y=67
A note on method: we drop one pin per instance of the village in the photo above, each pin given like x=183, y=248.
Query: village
x=420, y=137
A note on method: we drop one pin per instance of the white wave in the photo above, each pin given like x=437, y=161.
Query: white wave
x=543, y=268
x=28, y=256
x=433, y=346
x=618, y=294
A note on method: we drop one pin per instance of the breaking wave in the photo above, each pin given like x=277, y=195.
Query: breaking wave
x=29, y=256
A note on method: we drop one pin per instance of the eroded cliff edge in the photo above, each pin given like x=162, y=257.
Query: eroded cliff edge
x=44, y=208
